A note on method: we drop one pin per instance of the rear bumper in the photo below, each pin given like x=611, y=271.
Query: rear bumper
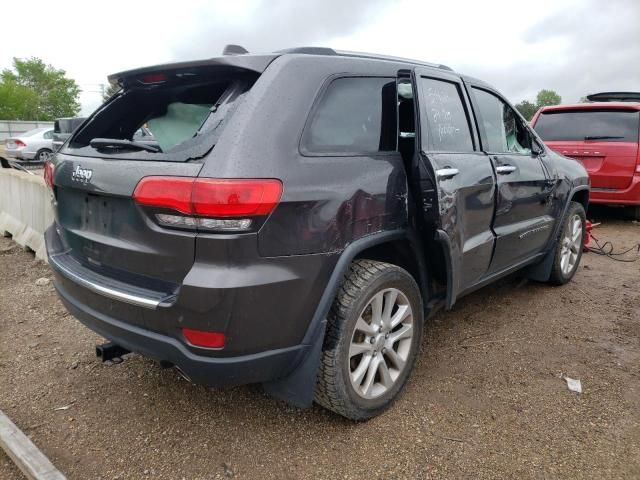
x=19, y=154
x=628, y=196
x=264, y=306
x=256, y=368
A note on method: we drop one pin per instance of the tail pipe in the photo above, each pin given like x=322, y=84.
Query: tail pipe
x=109, y=351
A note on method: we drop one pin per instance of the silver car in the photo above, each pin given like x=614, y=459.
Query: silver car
x=35, y=144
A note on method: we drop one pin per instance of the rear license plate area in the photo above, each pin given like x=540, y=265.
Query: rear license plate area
x=97, y=213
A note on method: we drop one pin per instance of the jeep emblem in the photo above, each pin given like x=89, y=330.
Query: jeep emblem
x=82, y=175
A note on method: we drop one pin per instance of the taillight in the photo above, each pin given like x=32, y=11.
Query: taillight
x=201, y=338
x=151, y=78
x=48, y=174
x=166, y=192
x=230, y=205
x=235, y=198
x=19, y=143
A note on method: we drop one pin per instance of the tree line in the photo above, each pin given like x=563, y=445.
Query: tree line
x=33, y=90
x=544, y=98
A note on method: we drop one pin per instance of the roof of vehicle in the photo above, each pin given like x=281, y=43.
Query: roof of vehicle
x=593, y=106
x=259, y=62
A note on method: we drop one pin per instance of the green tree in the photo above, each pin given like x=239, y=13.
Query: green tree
x=110, y=91
x=546, y=98
x=543, y=99
x=17, y=102
x=527, y=109
x=33, y=90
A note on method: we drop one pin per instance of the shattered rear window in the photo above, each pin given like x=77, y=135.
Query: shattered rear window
x=181, y=120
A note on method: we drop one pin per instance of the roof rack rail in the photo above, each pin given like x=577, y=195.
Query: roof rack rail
x=232, y=49
x=372, y=56
x=614, y=97
x=309, y=50
x=390, y=58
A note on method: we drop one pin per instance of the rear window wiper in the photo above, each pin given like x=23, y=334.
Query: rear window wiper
x=601, y=137
x=98, y=143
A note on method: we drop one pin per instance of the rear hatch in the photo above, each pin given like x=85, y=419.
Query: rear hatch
x=604, y=140
x=101, y=228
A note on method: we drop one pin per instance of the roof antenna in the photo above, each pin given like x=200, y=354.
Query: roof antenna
x=234, y=50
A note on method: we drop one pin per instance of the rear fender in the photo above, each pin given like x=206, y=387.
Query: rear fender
x=298, y=386
x=541, y=271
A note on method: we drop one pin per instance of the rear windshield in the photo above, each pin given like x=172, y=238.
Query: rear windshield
x=177, y=120
x=579, y=125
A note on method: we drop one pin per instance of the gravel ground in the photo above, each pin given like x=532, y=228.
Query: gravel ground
x=8, y=470
x=486, y=400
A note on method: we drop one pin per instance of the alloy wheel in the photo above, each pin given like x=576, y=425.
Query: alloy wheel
x=571, y=245
x=381, y=343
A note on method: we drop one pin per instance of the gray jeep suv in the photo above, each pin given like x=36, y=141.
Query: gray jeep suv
x=299, y=215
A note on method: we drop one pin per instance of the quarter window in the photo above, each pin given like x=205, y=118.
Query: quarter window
x=505, y=132
x=355, y=115
x=447, y=124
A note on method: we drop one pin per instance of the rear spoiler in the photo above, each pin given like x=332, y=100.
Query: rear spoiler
x=614, y=97
x=251, y=63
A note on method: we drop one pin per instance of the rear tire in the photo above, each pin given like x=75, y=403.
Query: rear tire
x=42, y=155
x=569, y=245
x=373, y=336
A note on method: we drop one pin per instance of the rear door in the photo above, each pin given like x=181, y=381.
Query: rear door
x=604, y=140
x=449, y=153
x=523, y=221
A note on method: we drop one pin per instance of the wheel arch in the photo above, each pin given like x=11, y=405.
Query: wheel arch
x=541, y=272
x=580, y=195
x=401, y=245
x=407, y=254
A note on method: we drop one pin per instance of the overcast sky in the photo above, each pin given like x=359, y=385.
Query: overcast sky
x=571, y=46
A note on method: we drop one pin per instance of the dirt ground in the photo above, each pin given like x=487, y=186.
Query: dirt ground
x=487, y=398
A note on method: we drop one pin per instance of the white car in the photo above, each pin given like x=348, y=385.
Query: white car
x=35, y=144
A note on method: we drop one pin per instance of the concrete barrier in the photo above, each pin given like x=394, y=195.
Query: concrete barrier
x=25, y=209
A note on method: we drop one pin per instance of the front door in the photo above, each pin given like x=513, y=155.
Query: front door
x=523, y=220
x=450, y=156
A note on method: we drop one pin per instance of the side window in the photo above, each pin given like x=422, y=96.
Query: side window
x=355, y=115
x=447, y=125
x=503, y=128
x=48, y=135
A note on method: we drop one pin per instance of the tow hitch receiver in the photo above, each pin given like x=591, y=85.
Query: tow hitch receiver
x=109, y=351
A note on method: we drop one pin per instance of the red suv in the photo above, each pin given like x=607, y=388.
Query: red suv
x=603, y=135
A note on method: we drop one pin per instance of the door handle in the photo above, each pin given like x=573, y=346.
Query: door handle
x=505, y=169
x=446, y=173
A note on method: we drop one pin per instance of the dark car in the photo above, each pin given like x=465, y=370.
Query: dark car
x=63, y=128
x=300, y=215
